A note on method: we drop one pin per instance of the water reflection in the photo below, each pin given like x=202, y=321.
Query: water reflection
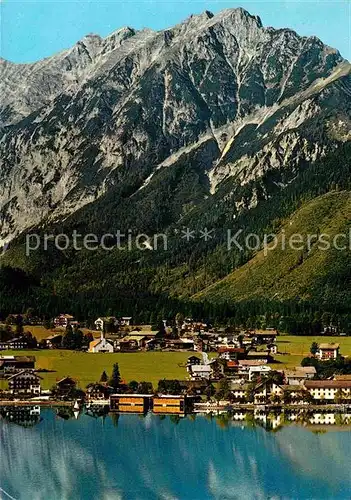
x=28, y=416
x=225, y=456
x=25, y=416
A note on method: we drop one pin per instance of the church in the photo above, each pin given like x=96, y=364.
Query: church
x=101, y=345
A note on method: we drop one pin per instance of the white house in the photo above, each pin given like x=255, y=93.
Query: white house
x=25, y=382
x=256, y=371
x=200, y=372
x=273, y=348
x=266, y=390
x=126, y=320
x=101, y=345
x=238, y=391
x=329, y=389
x=328, y=351
x=299, y=374
x=100, y=323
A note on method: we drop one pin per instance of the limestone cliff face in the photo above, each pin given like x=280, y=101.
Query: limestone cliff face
x=222, y=91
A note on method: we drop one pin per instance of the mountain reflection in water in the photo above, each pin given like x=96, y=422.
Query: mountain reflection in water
x=72, y=456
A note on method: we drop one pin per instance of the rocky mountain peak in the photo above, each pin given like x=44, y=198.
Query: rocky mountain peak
x=220, y=94
x=240, y=15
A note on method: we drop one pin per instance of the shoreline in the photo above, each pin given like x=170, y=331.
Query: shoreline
x=37, y=403
x=198, y=407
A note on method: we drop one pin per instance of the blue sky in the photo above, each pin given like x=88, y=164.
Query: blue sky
x=31, y=30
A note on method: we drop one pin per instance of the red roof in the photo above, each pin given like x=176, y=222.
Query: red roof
x=232, y=364
x=231, y=349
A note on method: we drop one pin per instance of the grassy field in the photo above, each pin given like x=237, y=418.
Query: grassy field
x=153, y=366
x=87, y=367
x=293, y=349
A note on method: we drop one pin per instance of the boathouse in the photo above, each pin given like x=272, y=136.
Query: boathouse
x=130, y=403
x=168, y=404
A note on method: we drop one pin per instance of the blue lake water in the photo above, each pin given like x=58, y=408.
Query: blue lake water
x=153, y=458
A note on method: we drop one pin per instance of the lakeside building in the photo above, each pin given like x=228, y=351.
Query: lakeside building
x=131, y=403
x=329, y=390
x=13, y=364
x=194, y=387
x=263, y=391
x=292, y=394
x=101, y=345
x=159, y=404
x=24, y=383
x=65, y=386
x=98, y=392
x=328, y=351
x=239, y=391
x=169, y=404
x=267, y=390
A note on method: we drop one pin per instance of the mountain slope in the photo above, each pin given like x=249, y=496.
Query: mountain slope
x=290, y=272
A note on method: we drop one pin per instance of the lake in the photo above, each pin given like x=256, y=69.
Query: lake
x=131, y=457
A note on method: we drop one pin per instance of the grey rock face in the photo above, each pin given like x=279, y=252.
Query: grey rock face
x=27, y=87
x=115, y=112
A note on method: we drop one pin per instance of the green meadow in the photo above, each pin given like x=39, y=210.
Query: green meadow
x=87, y=367
x=292, y=349
x=153, y=366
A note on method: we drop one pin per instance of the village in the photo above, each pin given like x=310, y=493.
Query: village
x=111, y=334
x=225, y=369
